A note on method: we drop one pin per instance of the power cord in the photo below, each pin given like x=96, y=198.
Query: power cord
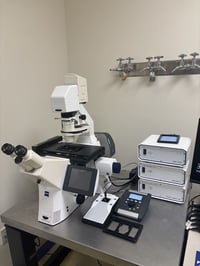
x=132, y=178
x=128, y=164
x=99, y=263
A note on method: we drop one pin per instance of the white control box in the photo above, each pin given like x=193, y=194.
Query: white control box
x=165, y=153
x=164, y=173
x=163, y=191
x=100, y=210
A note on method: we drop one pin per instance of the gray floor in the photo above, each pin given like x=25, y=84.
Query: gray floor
x=5, y=259
x=72, y=259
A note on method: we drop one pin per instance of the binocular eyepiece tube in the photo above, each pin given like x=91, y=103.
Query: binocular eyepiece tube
x=9, y=149
x=27, y=159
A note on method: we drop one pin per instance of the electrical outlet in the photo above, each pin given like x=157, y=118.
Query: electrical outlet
x=3, y=236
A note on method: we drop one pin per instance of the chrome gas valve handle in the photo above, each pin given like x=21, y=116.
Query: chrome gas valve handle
x=149, y=63
x=158, y=65
x=194, y=61
x=150, y=68
x=130, y=64
x=120, y=66
x=181, y=65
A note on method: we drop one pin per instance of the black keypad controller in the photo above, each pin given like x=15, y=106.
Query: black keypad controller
x=133, y=204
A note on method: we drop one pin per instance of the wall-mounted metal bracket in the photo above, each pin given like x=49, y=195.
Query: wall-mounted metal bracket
x=155, y=67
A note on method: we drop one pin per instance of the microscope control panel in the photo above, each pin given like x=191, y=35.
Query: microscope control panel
x=133, y=205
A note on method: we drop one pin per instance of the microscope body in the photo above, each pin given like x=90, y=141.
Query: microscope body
x=50, y=168
x=68, y=100
x=77, y=126
x=55, y=205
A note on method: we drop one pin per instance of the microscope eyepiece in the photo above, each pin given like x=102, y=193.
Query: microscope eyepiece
x=80, y=199
x=20, y=150
x=7, y=148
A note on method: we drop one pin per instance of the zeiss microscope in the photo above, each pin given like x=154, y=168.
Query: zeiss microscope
x=70, y=167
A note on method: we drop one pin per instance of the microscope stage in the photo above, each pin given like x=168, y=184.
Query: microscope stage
x=77, y=153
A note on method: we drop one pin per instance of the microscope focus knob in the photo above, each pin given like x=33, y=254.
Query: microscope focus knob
x=80, y=199
x=7, y=148
x=116, y=168
x=18, y=159
x=82, y=117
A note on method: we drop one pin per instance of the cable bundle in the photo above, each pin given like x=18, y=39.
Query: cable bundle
x=193, y=215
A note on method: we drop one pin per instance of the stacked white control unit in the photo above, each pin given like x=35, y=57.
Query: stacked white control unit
x=164, y=168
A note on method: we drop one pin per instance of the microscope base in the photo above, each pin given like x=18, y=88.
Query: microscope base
x=55, y=205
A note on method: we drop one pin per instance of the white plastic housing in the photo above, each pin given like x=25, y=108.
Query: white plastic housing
x=105, y=165
x=81, y=82
x=164, y=191
x=164, y=173
x=55, y=205
x=164, y=153
x=65, y=98
x=100, y=210
x=32, y=160
x=52, y=172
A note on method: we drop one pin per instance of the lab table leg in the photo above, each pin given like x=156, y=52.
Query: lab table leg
x=22, y=247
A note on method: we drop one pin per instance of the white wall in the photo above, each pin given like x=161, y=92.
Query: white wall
x=34, y=37
x=33, y=59
x=101, y=31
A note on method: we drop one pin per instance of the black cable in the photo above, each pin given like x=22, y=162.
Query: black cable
x=193, y=205
x=191, y=202
x=192, y=199
x=115, y=192
x=99, y=263
x=122, y=186
x=128, y=164
x=121, y=179
x=193, y=215
x=119, y=185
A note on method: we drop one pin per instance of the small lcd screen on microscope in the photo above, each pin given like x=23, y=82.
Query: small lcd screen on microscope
x=79, y=179
x=135, y=196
